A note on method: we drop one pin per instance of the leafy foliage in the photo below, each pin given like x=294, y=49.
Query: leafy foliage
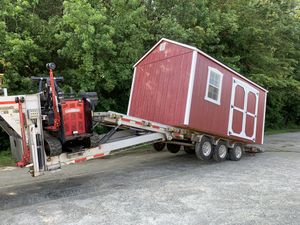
x=95, y=43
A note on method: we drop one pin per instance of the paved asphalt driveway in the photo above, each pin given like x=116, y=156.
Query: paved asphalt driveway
x=148, y=187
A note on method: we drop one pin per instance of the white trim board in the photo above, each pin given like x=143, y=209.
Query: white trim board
x=202, y=53
x=218, y=102
x=131, y=90
x=247, y=89
x=264, y=117
x=190, y=89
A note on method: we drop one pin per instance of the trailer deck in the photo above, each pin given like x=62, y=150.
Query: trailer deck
x=141, y=132
x=21, y=118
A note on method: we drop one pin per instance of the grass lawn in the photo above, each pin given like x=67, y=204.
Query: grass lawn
x=280, y=131
x=6, y=159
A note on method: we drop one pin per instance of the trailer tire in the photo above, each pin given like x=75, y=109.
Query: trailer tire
x=189, y=150
x=173, y=148
x=220, y=151
x=159, y=146
x=236, y=153
x=204, y=149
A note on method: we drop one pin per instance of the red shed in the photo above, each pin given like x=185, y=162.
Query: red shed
x=179, y=85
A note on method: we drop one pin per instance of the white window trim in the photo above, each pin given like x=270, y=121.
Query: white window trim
x=218, y=102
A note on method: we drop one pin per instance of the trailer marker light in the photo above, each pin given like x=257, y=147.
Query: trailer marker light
x=98, y=156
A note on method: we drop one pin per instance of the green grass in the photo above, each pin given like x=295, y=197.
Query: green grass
x=283, y=130
x=6, y=158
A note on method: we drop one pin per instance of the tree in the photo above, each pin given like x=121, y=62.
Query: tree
x=95, y=43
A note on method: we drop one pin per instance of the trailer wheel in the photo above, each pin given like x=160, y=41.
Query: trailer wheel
x=204, y=149
x=236, y=153
x=173, y=148
x=189, y=150
x=159, y=146
x=220, y=151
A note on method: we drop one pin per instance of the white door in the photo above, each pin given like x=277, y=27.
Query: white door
x=243, y=110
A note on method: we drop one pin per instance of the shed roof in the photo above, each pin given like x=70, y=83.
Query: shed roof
x=202, y=53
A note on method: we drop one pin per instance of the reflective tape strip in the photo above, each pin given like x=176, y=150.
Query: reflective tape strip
x=7, y=103
x=85, y=158
x=140, y=123
x=126, y=120
x=98, y=156
x=80, y=160
x=155, y=127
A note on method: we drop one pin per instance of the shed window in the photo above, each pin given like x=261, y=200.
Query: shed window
x=214, y=85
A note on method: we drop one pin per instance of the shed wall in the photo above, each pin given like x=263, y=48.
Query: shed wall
x=170, y=50
x=161, y=84
x=212, y=118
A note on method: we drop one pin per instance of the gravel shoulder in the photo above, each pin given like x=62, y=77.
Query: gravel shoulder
x=148, y=187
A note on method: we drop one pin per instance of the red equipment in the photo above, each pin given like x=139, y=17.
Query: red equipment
x=26, y=153
x=68, y=122
x=75, y=121
x=55, y=127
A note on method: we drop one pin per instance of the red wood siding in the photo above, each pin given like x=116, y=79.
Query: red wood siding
x=208, y=117
x=171, y=50
x=161, y=84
